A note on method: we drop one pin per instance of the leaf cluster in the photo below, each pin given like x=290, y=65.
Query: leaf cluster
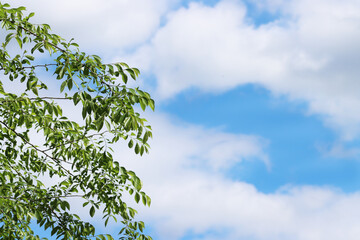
x=77, y=153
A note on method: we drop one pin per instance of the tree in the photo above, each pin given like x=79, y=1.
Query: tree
x=79, y=154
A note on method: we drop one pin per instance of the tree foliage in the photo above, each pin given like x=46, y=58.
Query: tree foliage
x=38, y=142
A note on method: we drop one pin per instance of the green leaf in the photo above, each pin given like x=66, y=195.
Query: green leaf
x=38, y=215
x=131, y=191
x=148, y=200
x=131, y=143
x=61, y=72
x=76, y=98
x=102, y=237
x=31, y=15
x=131, y=72
x=146, y=137
x=124, y=77
x=69, y=84
x=136, y=71
x=124, y=64
x=19, y=41
x=137, y=183
x=142, y=150
x=90, y=89
x=137, y=148
x=8, y=37
x=35, y=91
x=99, y=124
x=152, y=104
x=109, y=237
x=30, y=57
x=137, y=197
x=92, y=211
x=142, y=104
x=107, y=124
x=74, y=151
x=143, y=198
x=63, y=85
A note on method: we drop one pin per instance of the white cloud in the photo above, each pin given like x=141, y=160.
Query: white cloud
x=184, y=160
x=177, y=145
x=310, y=53
x=189, y=194
x=339, y=150
x=185, y=174
x=110, y=25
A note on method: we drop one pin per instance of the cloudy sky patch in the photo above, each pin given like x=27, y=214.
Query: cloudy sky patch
x=256, y=132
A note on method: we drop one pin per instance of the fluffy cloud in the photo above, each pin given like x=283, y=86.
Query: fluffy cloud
x=107, y=25
x=191, y=194
x=185, y=174
x=308, y=53
x=194, y=147
x=204, y=204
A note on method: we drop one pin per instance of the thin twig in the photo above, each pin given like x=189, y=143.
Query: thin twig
x=48, y=197
x=58, y=161
x=52, y=98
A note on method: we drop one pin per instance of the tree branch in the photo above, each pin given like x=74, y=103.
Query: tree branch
x=58, y=161
x=40, y=199
x=52, y=98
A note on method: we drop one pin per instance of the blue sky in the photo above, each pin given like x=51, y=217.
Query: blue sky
x=252, y=110
x=256, y=131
